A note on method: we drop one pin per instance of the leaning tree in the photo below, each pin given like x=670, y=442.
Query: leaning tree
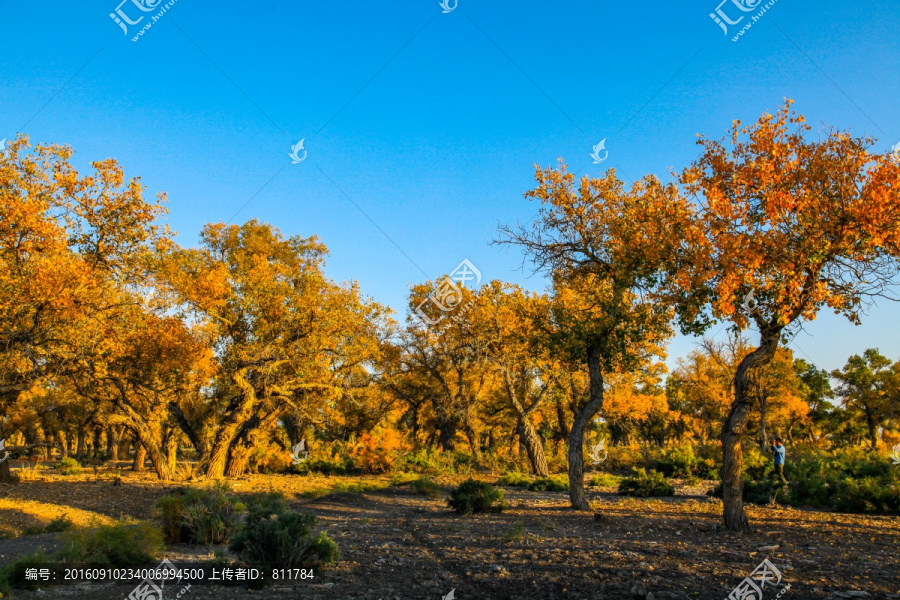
x=789, y=224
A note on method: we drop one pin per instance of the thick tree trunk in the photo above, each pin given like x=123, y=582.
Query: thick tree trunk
x=576, y=437
x=171, y=452
x=7, y=476
x=246, y=440
x=733, y=432
x=229, y=429
x=533, y=447
x=113, y=437
x=82, y=444
x=447, y=439
x=140, y=456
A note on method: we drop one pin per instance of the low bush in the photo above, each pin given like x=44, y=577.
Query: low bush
x=121, y=544
x=557, y=483
x=425, y=487
x=68, y=466
x=472, y=496
x=337, y=465
x=682, y=461
x=201, y=516
x=403, y=477
x=849, y=481
x=284, y=539
x=515, y=479
x=57, y=525
x=646, y=485
x=605, y=480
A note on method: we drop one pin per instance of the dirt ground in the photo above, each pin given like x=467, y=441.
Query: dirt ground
x=398, y=545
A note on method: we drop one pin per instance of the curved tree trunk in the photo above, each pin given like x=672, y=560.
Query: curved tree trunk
x=734, y=517
x=533, y=447
x=140, y=456
x=576, y=437
x=241, y=411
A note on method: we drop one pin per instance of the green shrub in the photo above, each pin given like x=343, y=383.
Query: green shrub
x=682, y=461
x=57, y=525
x=605, y=480
x=201, y=516
x=120, y=544
x=425, y=487
x=472, y=496
x=324, y=466
x=646, y=485
x=557, y=483
x=847, y=481
x=285, y=540
x=264, y=504
x=866, y=495
x=68, y=466
x=403, y=477
x=515, y=479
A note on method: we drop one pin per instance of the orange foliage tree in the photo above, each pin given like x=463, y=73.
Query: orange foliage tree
x=605, y=248
x=68, y=243
x=790, y=225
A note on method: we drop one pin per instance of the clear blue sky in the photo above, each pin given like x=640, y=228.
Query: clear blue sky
x=429, y=122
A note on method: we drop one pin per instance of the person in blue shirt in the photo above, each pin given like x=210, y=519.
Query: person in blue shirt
x=778, y=449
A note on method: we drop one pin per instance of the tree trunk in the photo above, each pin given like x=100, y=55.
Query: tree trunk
x=113, y=436
x=733, y=432
x=447, y=439
x=873, y=430
x=533, y=447
x=576, y=437
x=82, y=443
x=6, y=476
x=171, y=452
x=63, y=444
x=763, y=436
x=140, y=456
x=229, y=428
x=98, y=434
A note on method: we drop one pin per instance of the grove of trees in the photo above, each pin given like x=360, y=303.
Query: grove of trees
x=117, y=343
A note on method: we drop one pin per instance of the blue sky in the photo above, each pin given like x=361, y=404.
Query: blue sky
x=422, y=128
